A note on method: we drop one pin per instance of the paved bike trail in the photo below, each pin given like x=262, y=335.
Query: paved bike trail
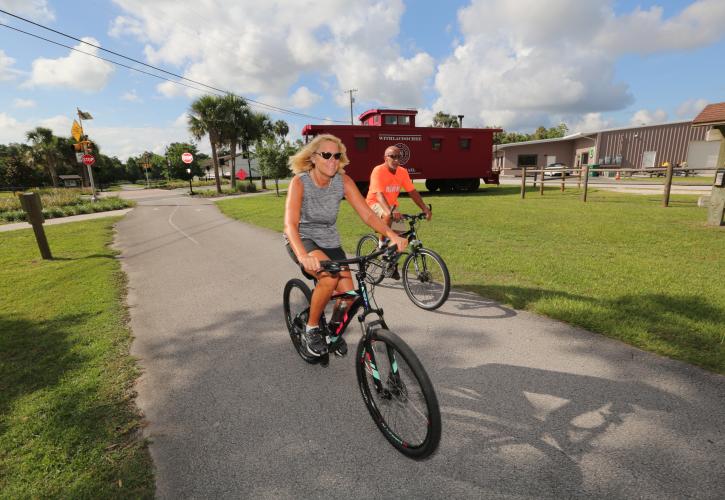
x=532, y=408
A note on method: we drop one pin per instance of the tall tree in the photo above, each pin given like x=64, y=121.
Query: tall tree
x=445, y=120
x=45, y=149
x=273, y=158
x=205, y=119
x=255, y=127
x=234, y=110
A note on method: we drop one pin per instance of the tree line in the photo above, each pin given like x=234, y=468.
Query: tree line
x=441, y=119
x=227, y=120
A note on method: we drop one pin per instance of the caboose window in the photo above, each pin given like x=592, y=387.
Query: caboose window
x=377, y=118
x=361, y=143
x=391, y=120
x=436, y=144
x=403, y=120
x=464, y=143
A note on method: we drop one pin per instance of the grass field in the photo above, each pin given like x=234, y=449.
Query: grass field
x=68, y=426
x=621, y=265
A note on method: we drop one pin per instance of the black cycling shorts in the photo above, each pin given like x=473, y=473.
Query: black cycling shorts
x=336, y=253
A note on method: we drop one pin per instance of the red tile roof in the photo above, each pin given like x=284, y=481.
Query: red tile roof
x=712, y=114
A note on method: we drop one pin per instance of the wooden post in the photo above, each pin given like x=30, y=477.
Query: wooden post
x=541, y=187
x=31, y=204
x=585, y=172
x=536, y=175
x=563, y=177
x=668, y=187
x=579, y=180
x=523, y=183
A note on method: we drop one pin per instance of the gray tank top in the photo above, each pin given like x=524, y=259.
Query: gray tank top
x=318, y=217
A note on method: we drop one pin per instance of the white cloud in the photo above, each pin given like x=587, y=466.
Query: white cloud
x=77, y=71
x=525, y=63
x=645, y=31
x=13, y=130
x=252, y=48
x=6, y=71
x=37, y=10
x=113, y=141
x=131, y=96
x=690, y=108
x=647, y=117
x=590, y=122
x=304, y=98
x=23, y=103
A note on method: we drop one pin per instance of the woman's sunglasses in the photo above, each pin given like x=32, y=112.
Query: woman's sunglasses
x=327, y=155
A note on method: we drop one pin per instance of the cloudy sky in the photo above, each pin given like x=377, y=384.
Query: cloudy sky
x=516, y=63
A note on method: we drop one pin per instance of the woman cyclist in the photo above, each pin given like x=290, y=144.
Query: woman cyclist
x=310, y=225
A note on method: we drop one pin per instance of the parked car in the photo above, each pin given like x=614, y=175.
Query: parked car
x=555, y=170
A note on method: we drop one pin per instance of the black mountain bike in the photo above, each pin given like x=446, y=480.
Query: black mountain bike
x=394, y=385
x=424, y=273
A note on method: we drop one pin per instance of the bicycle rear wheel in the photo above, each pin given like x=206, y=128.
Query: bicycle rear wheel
x=296, y=309
x=426, y=279
x=398, y=394
x=376, y=269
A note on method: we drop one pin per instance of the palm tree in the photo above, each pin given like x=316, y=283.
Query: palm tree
x=233, y=110
x=204, y=119
x=45, y=147
x=255, y=126
x=281, y=129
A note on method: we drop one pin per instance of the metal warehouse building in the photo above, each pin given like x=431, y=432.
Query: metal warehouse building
x=646, y=146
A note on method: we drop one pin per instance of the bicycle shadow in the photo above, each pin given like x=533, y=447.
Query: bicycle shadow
x=530, y=430
x=461, y=303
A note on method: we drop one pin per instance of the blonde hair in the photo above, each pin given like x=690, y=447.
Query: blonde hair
x=302, y=160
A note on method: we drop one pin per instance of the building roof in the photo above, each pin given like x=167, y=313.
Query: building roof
x=580, y=135
x=713, y=114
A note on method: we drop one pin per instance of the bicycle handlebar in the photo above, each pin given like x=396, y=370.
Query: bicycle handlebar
x=335, y=266
x=419, y=216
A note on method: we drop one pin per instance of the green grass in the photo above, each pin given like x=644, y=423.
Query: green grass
x=621, y=265
x=68, y=424
x=60, y=203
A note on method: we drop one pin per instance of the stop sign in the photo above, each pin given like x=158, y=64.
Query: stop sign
x=88, y=159
x=187, y=157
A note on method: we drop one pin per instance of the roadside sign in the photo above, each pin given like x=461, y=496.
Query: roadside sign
x=187, y=157
x=79, y=157
x=88, y=160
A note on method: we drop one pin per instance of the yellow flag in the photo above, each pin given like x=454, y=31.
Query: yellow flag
x=76, y=131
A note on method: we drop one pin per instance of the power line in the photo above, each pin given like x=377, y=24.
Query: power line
x=258, y=103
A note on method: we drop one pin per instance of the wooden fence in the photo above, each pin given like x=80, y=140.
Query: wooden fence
x=582, y=177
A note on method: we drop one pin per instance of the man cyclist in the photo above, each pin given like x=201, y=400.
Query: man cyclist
x=310, y=226
x=386, y=181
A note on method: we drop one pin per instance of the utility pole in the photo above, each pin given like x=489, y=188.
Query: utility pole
x=352, y=100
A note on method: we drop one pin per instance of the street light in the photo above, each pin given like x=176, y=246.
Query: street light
x=188, y=171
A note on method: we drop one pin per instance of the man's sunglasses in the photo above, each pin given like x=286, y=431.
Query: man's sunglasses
x=327, y=155
x=394, y=157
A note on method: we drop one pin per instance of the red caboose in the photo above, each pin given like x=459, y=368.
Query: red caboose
x=450, y=159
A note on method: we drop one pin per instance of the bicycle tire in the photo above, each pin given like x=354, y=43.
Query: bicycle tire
x=375, y=271
x=296, y=309
x=418, y=432
x=428, y=282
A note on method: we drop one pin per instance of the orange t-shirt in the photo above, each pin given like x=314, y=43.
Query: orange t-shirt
x=382, y=181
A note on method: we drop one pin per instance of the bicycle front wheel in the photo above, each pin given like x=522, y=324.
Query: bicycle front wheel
x=426, y=279
x=296, y=302
x=398, y=394
x=375, y=271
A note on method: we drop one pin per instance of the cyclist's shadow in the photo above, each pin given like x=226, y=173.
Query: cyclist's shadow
x=461, y=303
x=514, y=427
